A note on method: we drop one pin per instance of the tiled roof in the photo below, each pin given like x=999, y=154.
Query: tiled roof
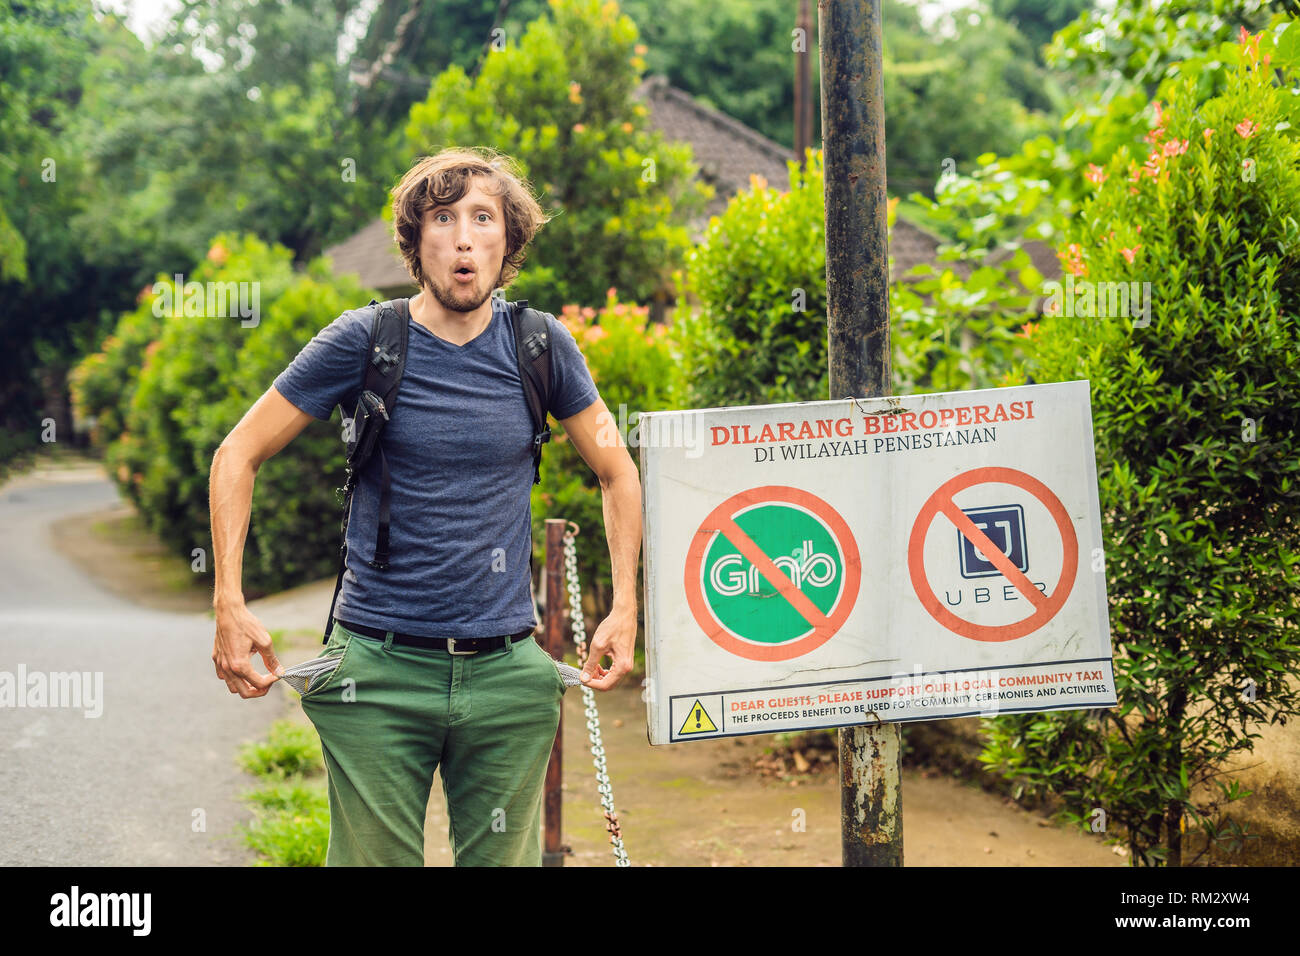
x=372, y=254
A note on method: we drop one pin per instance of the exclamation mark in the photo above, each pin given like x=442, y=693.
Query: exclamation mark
x=697, y=717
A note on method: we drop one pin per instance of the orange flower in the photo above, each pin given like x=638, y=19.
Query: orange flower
x=579, y=127
x=1072, y=260
x=1246, y=128
x=640, y=49
x=575, y=92
x=626, y=127
x=1175, y=147
x=1095, y=174
x=1027, y=330
x=1130, y=253
x=1154, y=135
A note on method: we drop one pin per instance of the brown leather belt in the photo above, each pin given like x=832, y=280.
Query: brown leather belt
x=452, y=645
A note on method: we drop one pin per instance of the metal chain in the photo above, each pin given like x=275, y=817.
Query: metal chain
x=603, y=786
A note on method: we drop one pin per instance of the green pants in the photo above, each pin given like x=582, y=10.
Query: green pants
x=389, y=715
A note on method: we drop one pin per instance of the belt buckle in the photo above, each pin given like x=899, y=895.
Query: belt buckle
x=451, y=648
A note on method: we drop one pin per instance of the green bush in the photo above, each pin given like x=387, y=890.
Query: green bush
x=952, y=332
x=166, y=390
x=184, y=375
x=1195, y=417
x=294, y=533
x=631, y=362
x=759, y=334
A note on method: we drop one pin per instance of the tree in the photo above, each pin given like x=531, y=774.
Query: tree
x=44, y=282
x=560, y=101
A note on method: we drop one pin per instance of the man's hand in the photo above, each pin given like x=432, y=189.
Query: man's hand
x=239, y=633
x=616, y=637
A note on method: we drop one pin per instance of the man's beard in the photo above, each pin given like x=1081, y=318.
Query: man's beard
x=450, y=301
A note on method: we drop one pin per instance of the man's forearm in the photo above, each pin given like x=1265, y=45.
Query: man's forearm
x=621, y=500
x=230, y=500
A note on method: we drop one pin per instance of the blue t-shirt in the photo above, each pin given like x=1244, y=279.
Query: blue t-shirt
x=459, y=451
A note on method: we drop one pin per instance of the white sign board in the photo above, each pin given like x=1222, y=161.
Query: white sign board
x=821, y=564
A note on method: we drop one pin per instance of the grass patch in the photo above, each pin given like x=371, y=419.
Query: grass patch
x=288, y=749
x=291, y=820
x=290, y=827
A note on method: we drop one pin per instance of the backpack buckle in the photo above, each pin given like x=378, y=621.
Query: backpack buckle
x=535, y=344
x=543, y=436
x=384, y=359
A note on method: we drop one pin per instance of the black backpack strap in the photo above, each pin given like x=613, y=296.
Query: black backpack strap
x=382, y=366
x=533, y=347
x=383, y=377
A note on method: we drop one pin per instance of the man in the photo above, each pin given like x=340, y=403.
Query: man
x=403, y=700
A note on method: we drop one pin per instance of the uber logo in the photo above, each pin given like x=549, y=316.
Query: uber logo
x=1005, y=527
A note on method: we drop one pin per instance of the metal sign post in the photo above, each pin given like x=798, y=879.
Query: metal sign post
x=857, y=305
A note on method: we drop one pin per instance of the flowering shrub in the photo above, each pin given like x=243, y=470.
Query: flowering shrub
x=632, y=365
x=167, y=388
x=1197, y=420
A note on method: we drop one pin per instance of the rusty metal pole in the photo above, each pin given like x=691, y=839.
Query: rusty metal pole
x=553, y=851
x=803, y=86
x=857, y=306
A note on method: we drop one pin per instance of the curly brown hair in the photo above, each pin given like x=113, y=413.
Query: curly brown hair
x=445, y=178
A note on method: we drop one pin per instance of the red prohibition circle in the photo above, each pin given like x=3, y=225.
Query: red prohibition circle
x=1046, y=609
x=826, y=625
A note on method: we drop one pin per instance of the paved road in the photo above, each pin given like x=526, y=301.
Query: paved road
x=121, y=788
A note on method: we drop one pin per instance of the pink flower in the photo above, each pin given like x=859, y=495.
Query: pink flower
x=1095, y=174
x=1250, y=43
x=1130, y=253
x=579, y=127
x=1174, y=147
x=1246, y=128
x=1207, y=133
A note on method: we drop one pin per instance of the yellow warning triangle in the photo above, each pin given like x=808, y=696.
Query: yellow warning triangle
x=697, y=721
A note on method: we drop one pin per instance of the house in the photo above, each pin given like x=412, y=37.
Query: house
x=727, y=151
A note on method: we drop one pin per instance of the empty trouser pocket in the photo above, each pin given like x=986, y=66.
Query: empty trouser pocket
x=569, y=674
x=302, y=677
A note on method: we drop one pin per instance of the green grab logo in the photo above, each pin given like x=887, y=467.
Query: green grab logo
x=745, y=602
